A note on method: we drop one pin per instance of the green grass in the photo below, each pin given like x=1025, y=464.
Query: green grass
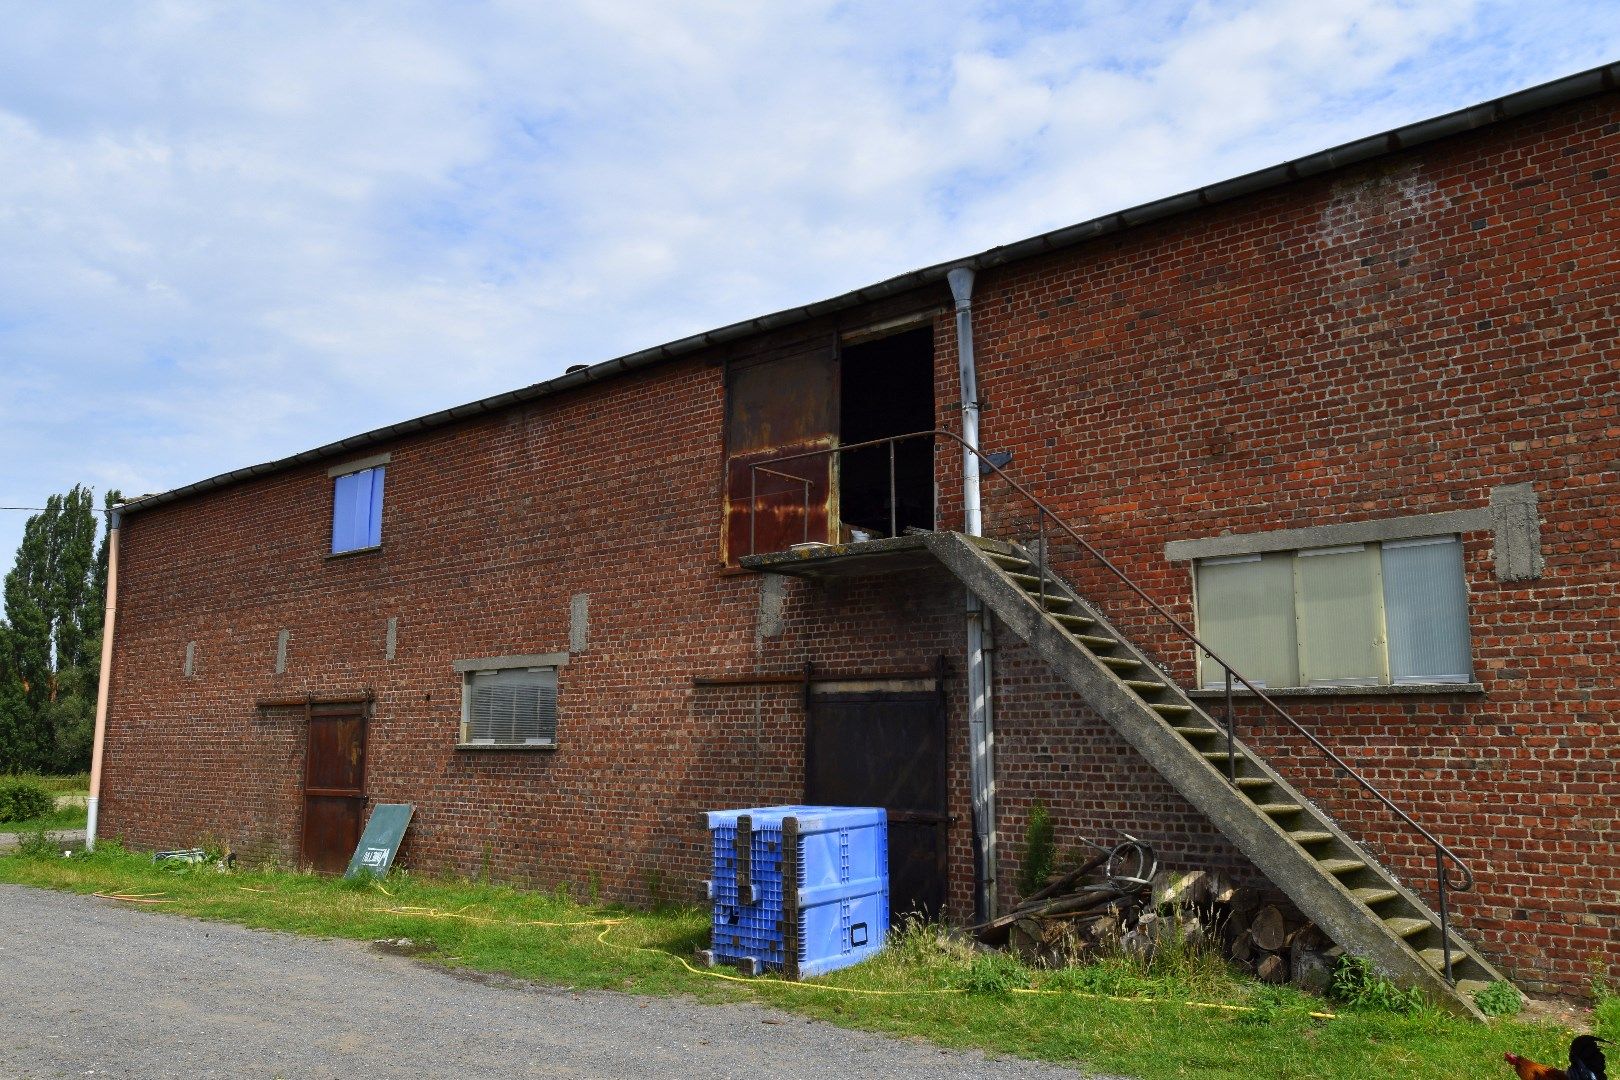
x=72, y=784
x=1116, y=1016
x=63, y=817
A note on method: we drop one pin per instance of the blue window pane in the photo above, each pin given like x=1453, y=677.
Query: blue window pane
x=357, y=510
x=374, y=519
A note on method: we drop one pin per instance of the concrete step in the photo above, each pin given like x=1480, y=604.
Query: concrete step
x=1187, y=732
x=1309, y=836
x=1338, y=867
x=1406, y=927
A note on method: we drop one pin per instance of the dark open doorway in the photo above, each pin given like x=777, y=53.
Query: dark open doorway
x=887, y=389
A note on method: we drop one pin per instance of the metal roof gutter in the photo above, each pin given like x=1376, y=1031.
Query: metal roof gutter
x=1547, y=95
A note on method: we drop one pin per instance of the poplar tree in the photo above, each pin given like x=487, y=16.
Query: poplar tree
x=50, y=640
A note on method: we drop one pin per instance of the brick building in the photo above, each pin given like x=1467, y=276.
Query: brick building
x=1354, y=418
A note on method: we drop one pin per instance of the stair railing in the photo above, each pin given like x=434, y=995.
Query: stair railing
x=1444, y=858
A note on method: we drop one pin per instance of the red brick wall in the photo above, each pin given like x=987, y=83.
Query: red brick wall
x=1397, y=338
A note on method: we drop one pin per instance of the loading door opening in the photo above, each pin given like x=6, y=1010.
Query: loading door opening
x=886, y=389
x=887, y=749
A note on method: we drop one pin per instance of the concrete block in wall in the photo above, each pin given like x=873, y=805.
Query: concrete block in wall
x=281, y=651
x=579, y=622
x=1516, y=531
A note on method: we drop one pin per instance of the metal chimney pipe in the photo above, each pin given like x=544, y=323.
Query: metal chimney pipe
x=961, y=282
x=981, y=728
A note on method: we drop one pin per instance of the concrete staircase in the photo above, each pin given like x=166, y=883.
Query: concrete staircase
x=1333, y=879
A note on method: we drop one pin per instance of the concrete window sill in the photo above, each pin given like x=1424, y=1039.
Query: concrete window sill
x=506, y=746
x=372, y=550
x=1403, y=690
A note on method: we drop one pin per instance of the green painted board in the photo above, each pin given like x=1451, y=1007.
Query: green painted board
x=381, y=839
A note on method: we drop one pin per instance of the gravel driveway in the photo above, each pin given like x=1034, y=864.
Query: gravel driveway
x=93, y=988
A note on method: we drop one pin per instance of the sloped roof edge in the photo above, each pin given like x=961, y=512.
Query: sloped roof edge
x=1546, y=95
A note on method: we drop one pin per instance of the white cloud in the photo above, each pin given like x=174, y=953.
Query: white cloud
x=235, y=231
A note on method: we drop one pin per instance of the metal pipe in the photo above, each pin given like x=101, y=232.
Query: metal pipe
x=961, y=281
x=108, y=621
x=894, y=500
x=981, y=727
x=1231, y=731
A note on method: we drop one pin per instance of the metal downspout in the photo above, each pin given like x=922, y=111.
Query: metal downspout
x=93, y=803
x=981, y=729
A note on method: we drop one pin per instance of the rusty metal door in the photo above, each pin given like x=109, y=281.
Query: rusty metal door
x=334, y=786
x=778, y=406
x=888, y=750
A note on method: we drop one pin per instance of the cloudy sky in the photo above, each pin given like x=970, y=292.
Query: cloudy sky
x=229, y=232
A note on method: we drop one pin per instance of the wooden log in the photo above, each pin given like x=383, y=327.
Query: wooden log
x=1273, y=969
x=1067, y=882
x=1240, y=901
x=1269, y=928
x=1242, y=947
x=1311, y=960
x=1184, y=887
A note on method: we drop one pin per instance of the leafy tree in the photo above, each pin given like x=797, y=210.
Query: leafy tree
x=50, y=640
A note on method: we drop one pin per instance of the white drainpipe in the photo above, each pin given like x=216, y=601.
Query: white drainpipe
x=981, y=729
x=93, y=803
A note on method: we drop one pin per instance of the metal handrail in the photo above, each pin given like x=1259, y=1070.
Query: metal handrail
x=1442, y=853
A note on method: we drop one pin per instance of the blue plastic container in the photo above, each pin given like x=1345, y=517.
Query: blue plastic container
x=823, y=907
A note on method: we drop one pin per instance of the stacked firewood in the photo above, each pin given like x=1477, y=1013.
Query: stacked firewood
x=1261, y=934
x=1078, y=914
x=1089, y=912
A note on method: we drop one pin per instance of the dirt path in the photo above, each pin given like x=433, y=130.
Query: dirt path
x=94, y=988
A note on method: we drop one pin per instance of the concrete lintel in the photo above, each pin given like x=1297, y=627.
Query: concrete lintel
x=502, y=663
x=357, y=464
x=1349, y=532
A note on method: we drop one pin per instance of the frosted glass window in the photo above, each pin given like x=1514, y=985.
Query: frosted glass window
x=1341, y=616
x=1426, y=608
x=1246, y=614
x=1354, y=615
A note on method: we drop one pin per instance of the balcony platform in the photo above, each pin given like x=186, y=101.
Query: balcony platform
x=893, y=554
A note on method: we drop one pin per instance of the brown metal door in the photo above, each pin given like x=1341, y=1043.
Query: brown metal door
x=334, y=786
x=777, y=407
x=888, y=750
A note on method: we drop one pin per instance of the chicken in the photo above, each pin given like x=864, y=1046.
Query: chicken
x=1585, y=1063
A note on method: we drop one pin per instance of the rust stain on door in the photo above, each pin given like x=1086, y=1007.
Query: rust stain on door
x=334, y=786
x=777, y=406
